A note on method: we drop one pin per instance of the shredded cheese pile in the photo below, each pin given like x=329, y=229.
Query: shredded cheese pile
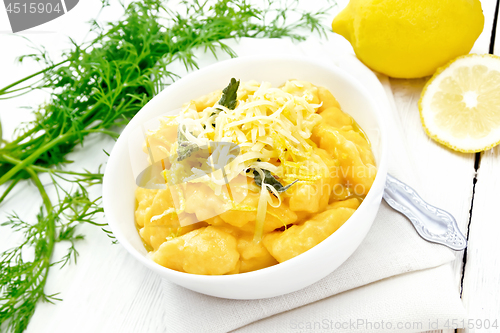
x=271, y=126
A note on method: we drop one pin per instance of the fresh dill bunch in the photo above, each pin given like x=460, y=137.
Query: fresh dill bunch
x=97, y=88
x=23, y=280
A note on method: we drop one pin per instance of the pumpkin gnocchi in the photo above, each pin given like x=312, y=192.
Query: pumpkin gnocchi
x=302, y=168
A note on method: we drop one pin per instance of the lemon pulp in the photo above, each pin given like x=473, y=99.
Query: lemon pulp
x=460, y=105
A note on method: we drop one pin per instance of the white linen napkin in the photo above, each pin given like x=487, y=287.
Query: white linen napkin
x=391, y=249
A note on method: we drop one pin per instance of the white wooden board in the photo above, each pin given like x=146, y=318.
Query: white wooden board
x=131, y=303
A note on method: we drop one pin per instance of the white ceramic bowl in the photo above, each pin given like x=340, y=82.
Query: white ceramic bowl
x=296, y=273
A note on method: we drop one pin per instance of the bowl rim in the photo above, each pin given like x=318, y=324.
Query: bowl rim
x=241, y=277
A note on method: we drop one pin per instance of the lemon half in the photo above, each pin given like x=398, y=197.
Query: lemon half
x=460, y=105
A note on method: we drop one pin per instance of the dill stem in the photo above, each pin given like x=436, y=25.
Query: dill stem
x=16, y=161
x=11, y=186
x=43, y=193
x=50, y=231
x=18, y=89
x=32, y=158
x=31, y=142
x=102, y=131
x=4, y=91
x=90, y=113
x=19, y=165
x=22, y=137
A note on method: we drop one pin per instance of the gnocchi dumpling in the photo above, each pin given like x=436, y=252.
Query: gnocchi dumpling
x=299, y=238
x=207, y=250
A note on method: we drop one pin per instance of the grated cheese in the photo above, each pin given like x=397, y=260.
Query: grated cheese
x=268, y=124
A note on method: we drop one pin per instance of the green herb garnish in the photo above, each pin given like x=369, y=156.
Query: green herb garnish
x=229, y=95
x=270, y=180
x=96, y=88
x=184, y=147
x=228, y=99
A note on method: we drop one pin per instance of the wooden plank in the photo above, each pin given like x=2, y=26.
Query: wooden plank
x=482, y=270
x=482, y=44
x=445, y=177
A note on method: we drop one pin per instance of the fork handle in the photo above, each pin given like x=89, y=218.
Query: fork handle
x=432, y=224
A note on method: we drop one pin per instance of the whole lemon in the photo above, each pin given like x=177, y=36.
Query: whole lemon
x=410, y=38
